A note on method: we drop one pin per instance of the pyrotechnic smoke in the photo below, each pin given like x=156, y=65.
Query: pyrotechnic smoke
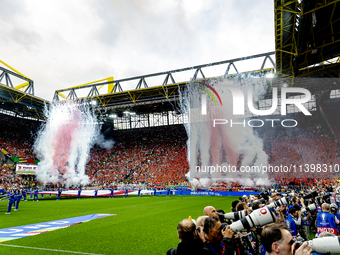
x=103, y=143
x=64, y=142
x=223, y=145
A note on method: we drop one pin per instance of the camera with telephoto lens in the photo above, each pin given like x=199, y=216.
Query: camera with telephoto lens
x=292, y=194
x=328, y=244
x=334, y=208
x=326, y=199
x=281, y=201
x=259, y=217
x=309, y=208
x=262, y=200
x=224, y=225
x=235, y=215
x=310, y=195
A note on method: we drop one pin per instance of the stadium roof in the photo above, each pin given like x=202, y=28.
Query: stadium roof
x=307, y=33
x=17, y=94
x=158, y=98
x=307, y=38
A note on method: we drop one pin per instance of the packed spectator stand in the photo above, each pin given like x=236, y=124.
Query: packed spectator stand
x=157, y=156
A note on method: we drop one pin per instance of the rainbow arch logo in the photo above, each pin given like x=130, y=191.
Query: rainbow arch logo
x=204, y=97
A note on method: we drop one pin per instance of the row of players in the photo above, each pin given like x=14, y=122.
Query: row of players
x=14, y=196
x=274, y=224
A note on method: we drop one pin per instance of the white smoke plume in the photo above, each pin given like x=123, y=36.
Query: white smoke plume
x=63, y=144
x=224, y=145
x=103, y=143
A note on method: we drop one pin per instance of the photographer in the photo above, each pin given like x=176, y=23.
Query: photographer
x=191, y=240
x=334, y=211
x=326, y=222
x=293, y=221
x=210, y=211
x=219, y=239
x=276, y=239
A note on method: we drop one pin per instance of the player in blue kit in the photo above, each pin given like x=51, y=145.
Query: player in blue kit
x=59, y=194
x=79, y=192
x=111, y=193
x=95, y=193
x=35, y=196
x=24, y=194
x=15, y=198
x=11, y=199
x=18, y=197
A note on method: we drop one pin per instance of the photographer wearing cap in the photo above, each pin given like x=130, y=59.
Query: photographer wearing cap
x=277, y=240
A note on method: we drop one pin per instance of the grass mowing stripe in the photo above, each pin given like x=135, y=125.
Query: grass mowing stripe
x=44, y=249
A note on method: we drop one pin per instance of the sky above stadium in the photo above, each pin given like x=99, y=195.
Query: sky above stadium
x=63, y=43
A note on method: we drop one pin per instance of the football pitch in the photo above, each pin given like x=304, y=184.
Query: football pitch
x=142, y=225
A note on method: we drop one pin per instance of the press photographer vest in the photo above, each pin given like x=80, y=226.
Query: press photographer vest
x=291, y=225
x=326, y=223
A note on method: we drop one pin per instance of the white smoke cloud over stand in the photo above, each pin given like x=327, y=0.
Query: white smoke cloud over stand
x=223, y=145
x=63, y=144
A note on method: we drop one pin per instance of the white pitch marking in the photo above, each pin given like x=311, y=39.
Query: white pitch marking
x=36, y=248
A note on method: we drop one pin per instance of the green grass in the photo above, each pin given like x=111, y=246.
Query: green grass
x=145, y=225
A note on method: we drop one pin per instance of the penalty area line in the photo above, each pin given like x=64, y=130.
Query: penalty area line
x=45, y=249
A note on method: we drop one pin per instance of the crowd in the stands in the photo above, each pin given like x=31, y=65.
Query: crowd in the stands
x=158, y=155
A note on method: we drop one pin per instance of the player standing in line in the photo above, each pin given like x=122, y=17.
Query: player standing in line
x=18, y=198
x=79, y=192
x=59, y=194
x=11, y=200
x=35, y=197
x=111, y=193
x=24, y=194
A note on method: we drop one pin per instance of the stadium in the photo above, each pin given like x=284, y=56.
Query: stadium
x=132, y=163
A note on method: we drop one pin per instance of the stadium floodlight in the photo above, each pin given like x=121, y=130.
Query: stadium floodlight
x=132, y=113
x=94, y=102
x=113, y=116
x=126, y=112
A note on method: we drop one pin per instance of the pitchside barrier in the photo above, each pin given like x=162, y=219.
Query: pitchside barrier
x=215, y=193
x=105, y=193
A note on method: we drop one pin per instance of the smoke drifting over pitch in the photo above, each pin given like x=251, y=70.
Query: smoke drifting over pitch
x=222, y=145
x=63, y=144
